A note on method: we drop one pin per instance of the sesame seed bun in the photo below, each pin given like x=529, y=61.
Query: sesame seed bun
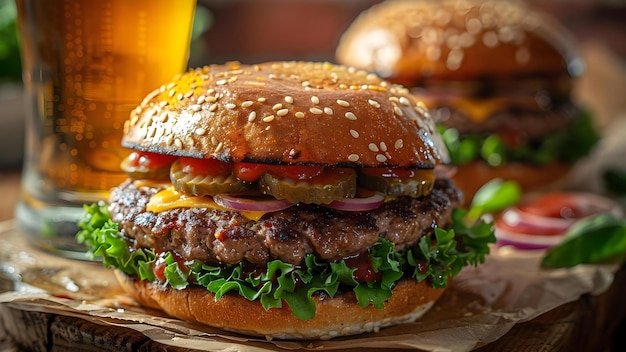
x=238, y=112
x=337, y=316
x=409, y=41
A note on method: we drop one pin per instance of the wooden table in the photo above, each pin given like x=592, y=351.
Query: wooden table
x=592, y=323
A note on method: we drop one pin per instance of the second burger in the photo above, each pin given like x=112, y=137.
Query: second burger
x=497, y=75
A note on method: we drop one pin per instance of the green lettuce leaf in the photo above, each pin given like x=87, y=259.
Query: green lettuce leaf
x=568, y=145
x=435, y=259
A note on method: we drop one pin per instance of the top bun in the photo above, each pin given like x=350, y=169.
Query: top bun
x=286, y=113
x=409, y=41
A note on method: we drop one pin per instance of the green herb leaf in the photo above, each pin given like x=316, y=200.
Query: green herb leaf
x=493, y=196
x=594, y=240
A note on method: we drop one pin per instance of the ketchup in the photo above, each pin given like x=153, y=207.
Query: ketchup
x=364, y=271
x=149, y=160
x=158, y=268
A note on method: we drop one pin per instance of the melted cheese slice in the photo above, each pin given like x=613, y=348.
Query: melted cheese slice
x=169, y=198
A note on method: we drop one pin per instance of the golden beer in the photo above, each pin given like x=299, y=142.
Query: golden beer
x=87, y=64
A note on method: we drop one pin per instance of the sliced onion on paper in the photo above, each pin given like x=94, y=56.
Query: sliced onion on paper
x=541, y=220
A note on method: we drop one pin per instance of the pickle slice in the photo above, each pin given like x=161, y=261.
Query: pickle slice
x=324, y=189
x=144, y=173
x=203, y=185
x=419, y=185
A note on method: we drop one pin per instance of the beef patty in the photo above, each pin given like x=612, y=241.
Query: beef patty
x=214, y=236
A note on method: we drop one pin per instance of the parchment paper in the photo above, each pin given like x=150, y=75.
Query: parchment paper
x=480, y=306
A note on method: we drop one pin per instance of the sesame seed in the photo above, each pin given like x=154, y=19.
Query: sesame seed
x=190, y=141
x=490, y=39
x=398, y=111
x=328, y=111
x=383, y=146
x=188, y=94
x=200, y=131
x=282, y=112
x=277, y=106
x=219, y=147
x=180, y=96
x=315, y=100
x=398, y=144
x=269, y=118
x=210, y=99
x=381, y=158
x=306, y=83
x=405, y=101
x=158, y=133
x=455, y=57
x=289, y=99
x=246, y=104
x=213, y=107
x=343, y=103
x=373, y=147
x=252, y=116
x=373, y=103
x=261, y=100
x=420, y=105
x=316, y=111
x=178, y=143
x=230, y=106
x=350, y=116
x=201, y=99
x=214, y=140
x=171, y=93
x=220, y=82
x=169, y=140
x=354, y=133
x=195, y=107
x=163, y=116
x=353, y=157
x=299, y=114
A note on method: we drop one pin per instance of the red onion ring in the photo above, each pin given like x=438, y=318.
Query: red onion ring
x=251, y=204
x=524, y=229
x=359, y=204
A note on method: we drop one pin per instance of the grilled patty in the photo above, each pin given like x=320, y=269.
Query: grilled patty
x=535, y=124
x=213, y=236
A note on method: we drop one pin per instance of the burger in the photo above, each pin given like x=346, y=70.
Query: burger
x=497, y=76
x=290, y=200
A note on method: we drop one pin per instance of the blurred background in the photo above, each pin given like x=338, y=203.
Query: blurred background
x=254, y=31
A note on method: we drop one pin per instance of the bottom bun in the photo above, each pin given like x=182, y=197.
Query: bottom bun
x=337, y=316
x=470, y=177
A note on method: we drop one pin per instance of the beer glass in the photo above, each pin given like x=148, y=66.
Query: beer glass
x=86, y=65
